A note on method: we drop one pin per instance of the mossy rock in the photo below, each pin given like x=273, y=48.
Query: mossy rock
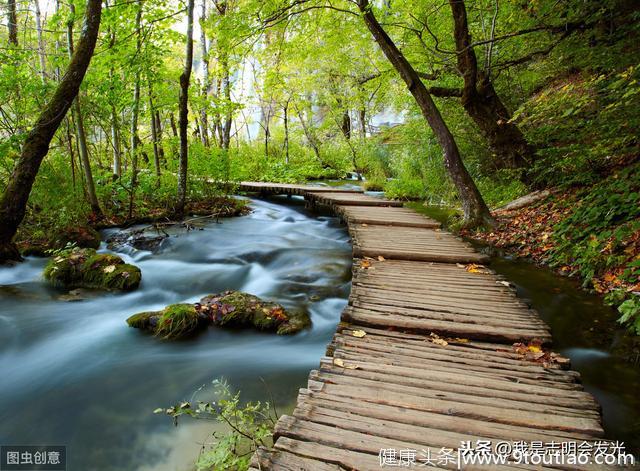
x=238, y=309
x=84, y=268
x=176, y=321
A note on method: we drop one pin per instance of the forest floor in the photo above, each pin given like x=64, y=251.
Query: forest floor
x=588, y=233
x=40, y=233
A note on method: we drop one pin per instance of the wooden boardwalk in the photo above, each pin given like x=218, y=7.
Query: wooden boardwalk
x=434, y=349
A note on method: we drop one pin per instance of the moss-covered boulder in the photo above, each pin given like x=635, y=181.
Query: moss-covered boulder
x=173, y=322
x=238, y=309
x=84, y=268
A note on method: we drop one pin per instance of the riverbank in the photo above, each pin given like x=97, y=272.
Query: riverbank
x=42, y=232
x=591, y=234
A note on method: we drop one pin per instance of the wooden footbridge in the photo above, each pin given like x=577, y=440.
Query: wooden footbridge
x=424, y=358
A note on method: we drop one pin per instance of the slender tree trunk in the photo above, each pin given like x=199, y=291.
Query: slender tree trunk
x=159, y=136
x=13, y=203
x=135, y=112
x=185, y=79
x=115, y=137
x=43, y=71
x=285, y=110
x=226, y=88
x=311, y=138
x=474, y=208
x=69, y=142
x=12, y=22
x=482, y=103
x=154, y=133
x=362, y=116
x=204, y=120
x=83, y=149
x=345, y=126
x=172, y=120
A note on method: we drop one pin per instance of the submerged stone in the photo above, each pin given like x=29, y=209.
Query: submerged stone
x=84, y=268
x=238, y=309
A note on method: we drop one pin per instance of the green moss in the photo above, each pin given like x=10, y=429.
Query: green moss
x=178, y=321
x=142, y=320
x=238, y=309
x=173, y=322
x=84, y=268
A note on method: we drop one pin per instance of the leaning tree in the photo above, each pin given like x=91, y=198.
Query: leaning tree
x=13, y=203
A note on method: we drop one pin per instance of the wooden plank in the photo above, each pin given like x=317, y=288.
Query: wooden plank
x=336, y=455
x=385, y=216
x=476, y=331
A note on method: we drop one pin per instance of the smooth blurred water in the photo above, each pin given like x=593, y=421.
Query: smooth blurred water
x=74, y=373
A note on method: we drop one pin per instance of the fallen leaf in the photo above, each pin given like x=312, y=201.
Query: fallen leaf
x=358, y=333
x=459, y=265
x=473, y=268
x=109, y=269
x=365, y=264
x=339, y=362
x=381, y=258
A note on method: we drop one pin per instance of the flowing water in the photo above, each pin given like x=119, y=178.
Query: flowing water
x=74, y=373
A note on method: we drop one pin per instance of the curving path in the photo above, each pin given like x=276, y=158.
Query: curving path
x=424, y=357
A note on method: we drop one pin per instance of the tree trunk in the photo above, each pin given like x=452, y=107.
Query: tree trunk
x=345, y=126
x=285, y=110
x=362, y=114
x=159, y=136
x=43, y=71
x=482, y=103
x=474, y=208
x=204, y=120
x=12, y=22
x=154, y=133
x=14, y=200
x=135, y=112
x=185, y=79
x=226, y=88
x=172, y=120
x=83, y=149
x=311, y=138
x=115, y=137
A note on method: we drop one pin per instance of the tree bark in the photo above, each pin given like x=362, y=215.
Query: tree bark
x=14, y=200
x=474, y=208
x=482, y=103
x=43, y=71
x=12, y=22
x=285, y=110
x=135, y=112
x=83, y=149
x=159, y=136
x=115, y=137
x=185, y=79
x=204, y=119
x=154, y=132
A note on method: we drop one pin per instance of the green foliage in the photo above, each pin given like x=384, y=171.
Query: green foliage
x=583, y=125
x=630, y=310
x=600, y=228
x=249, y=425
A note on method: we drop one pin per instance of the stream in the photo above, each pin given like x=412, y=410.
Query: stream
x=74, y=373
